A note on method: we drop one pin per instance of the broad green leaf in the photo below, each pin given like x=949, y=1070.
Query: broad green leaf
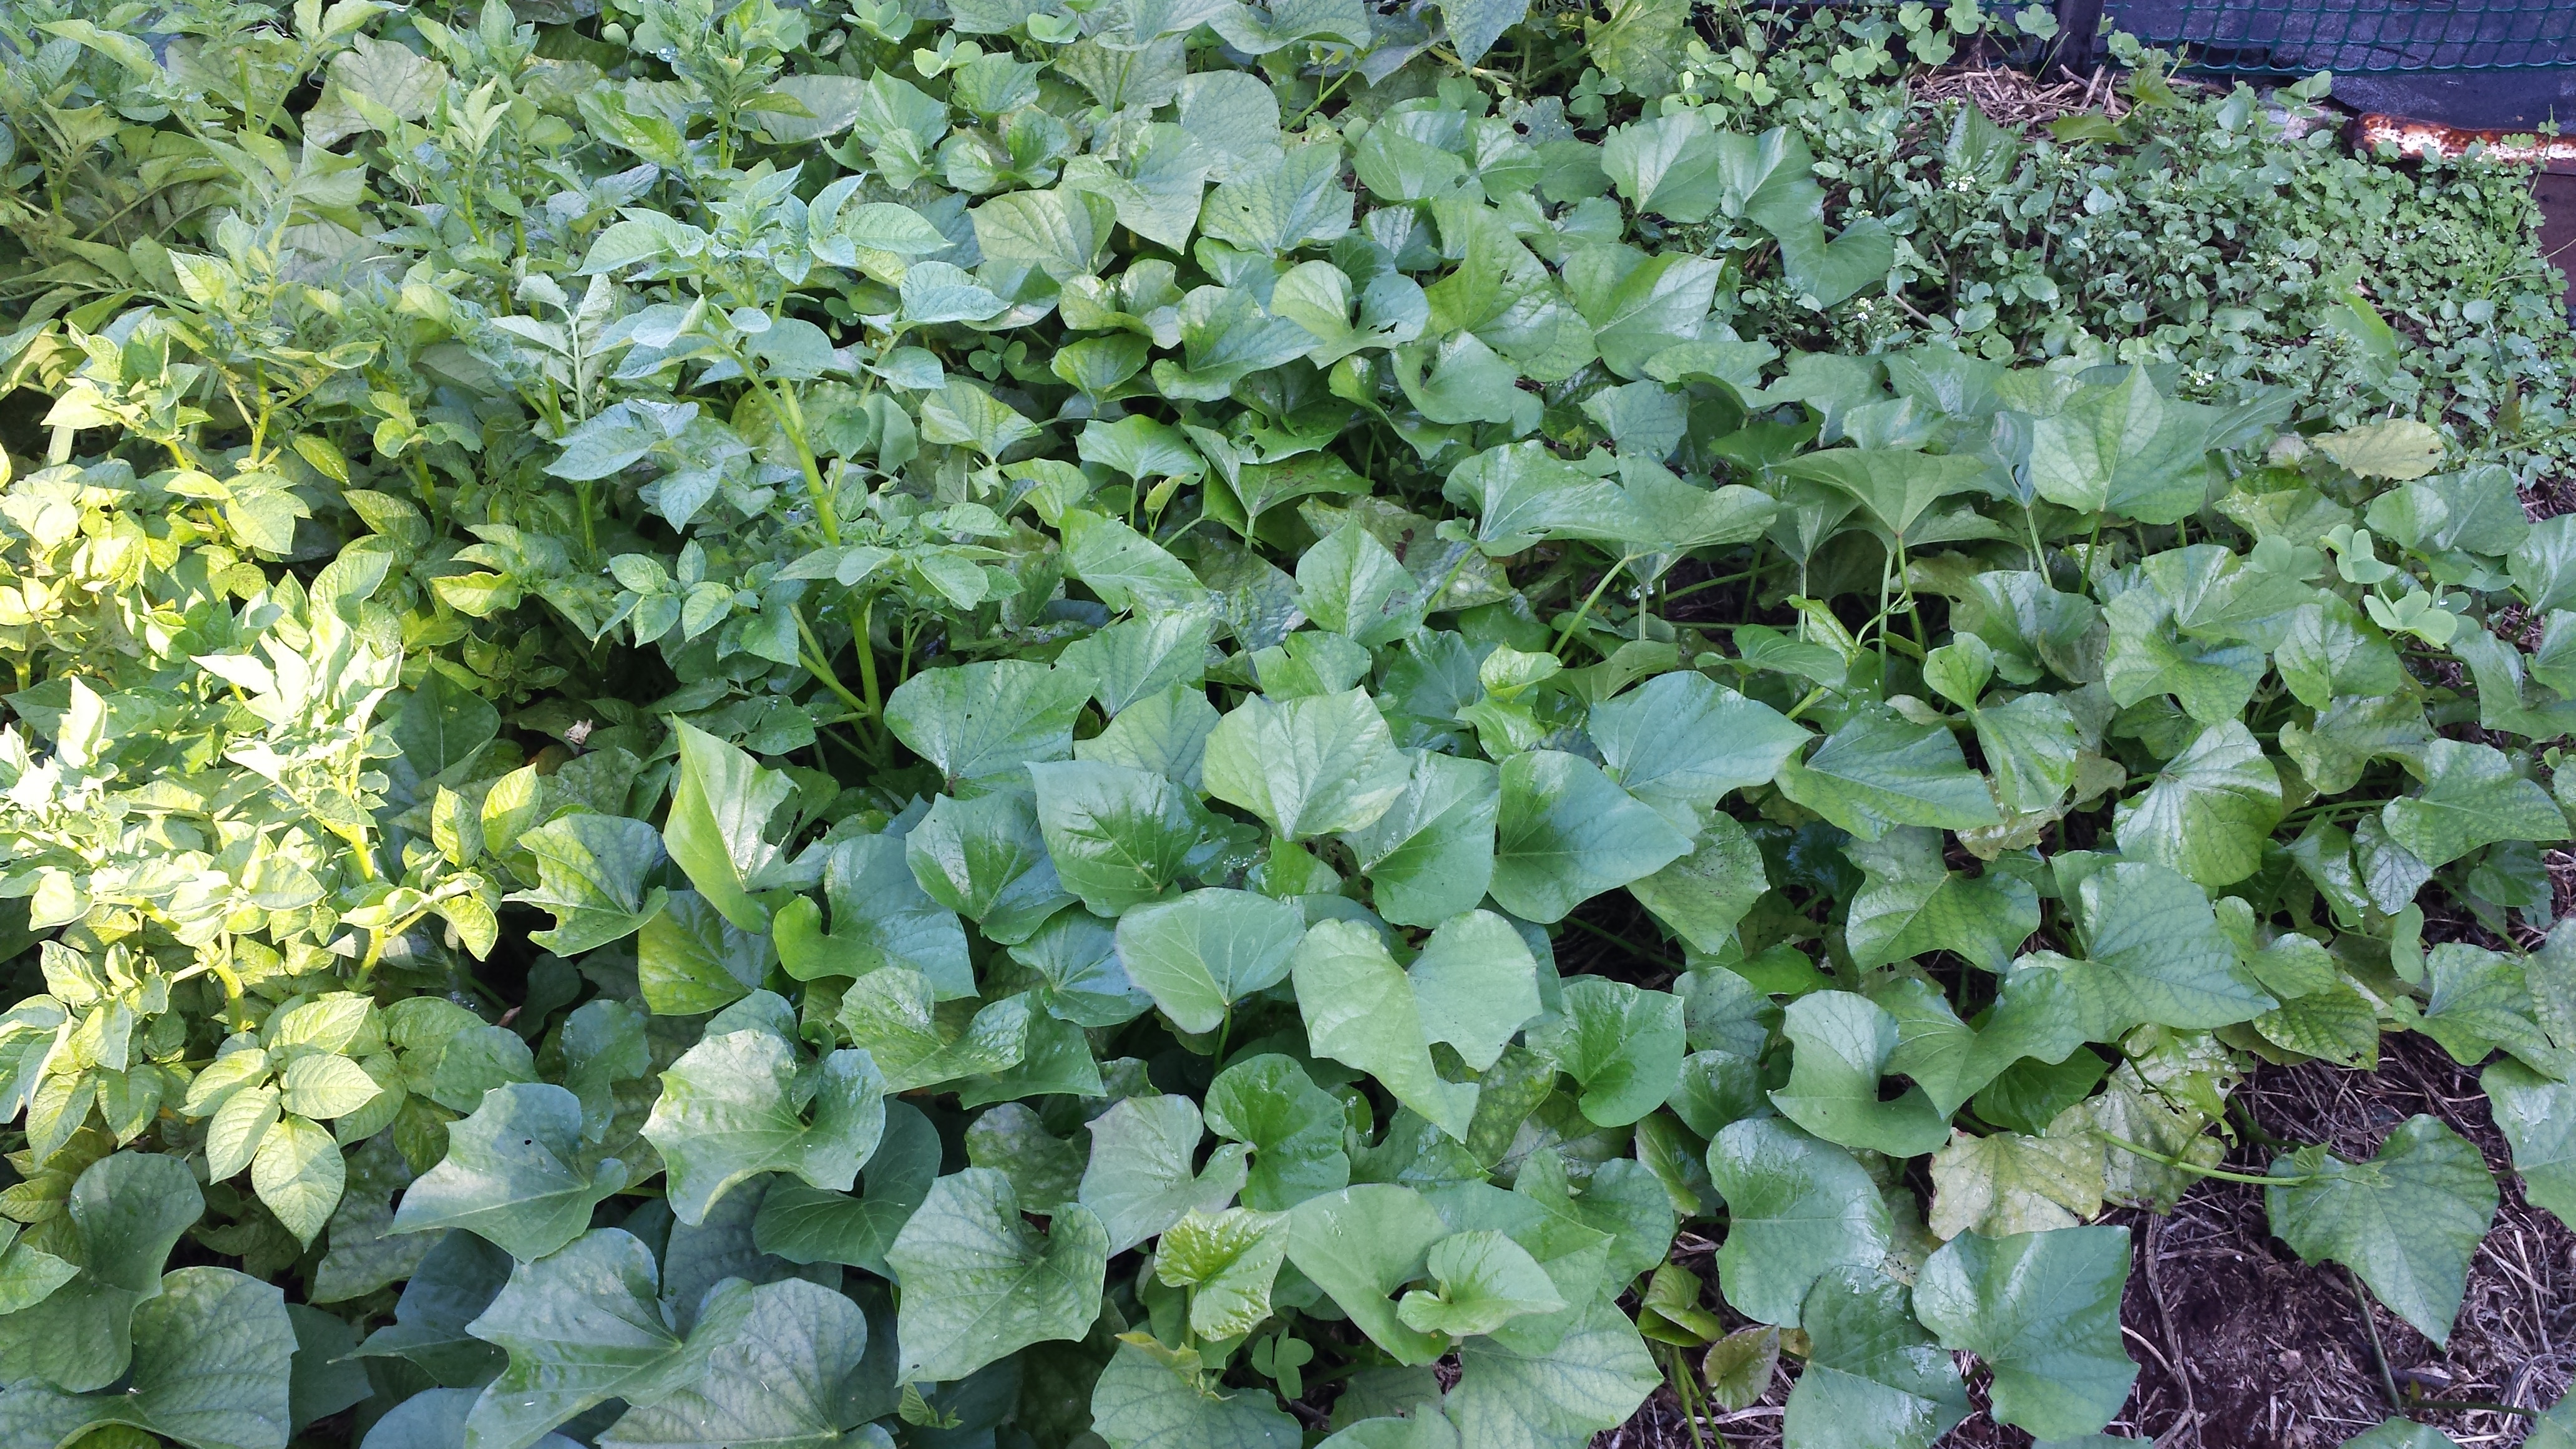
x=881, y=917
x=590, y=873
x=1137, y=658
x=1913, y=904
x=1680, y=743
x=1360, y=1010
x=212, y=1354
x=1311, y=766
x=804, y=1224
x=1565, y=833
x=1141, y=1402
x=1475, y=984
x=1431, y=855
x=2471, y=797
x=2043, y=1311
x=1895, y=486
x=773, y=1363
x=1075, y=955
x=2538, y=1118
x=1045, y=1170
x=1229, y=1260
x=1164, y=734
x=735, y=1105
x=1482, y=1280
x=581, y=1326
x=1797, y=1209
x=914, y=1040
x=989, y=717
x=2400, y=448
x=435, y=1419
x=1702, y=896
x=2154, y=953
x=1117, y=836
x=2407, y=1221
x=1143, y=1175
x=1521, y=493
x=1622, y=1044
x=2009, y=1183
x=720, y=809
x=1878, y=772
x=1874, y=1379
x=2123, y=449
x=2209, y=811
x=1198, y=955
x=1842, y=1042
x=980, y=1284
x=28, y=1274
x=2037, y=1014
x=126, y=1213
x=457, y=1279
x=1361, y=1244
x=1294, y=1128
x=689, y=959
x=514, y=1173
x=1516, y=1394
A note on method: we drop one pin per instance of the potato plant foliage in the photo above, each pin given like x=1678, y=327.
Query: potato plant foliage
x=1160, y=723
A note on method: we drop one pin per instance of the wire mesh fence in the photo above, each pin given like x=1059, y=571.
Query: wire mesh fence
x=2355, y=37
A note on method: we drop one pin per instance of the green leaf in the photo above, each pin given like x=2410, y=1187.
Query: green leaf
x=2043, y=1311
x=1565, y=833
x=1517, y=1393
x=690, y=960
x=980, y=1284
x=1842, y=1043
x=881, y=917
x=1141, y=1177
x=734, y=1106
x=1076, y=955
x=1878, y=772
x=1912, y=904
x=1521, y=493
x=1361, y=1244
x=1198, y=955
x=720, y=809
x=804, y=1224
x=1797, y=1209
x=590, y=873
x=2123, y=449
x=1622, y=1044
x=1476, y=985
x=1293, y=1127
x=514, y=1172
x=2209, y=811
x=2538, y=1119
x=772, y=1364
x=2407, y=1221
x=456, y=1280
x=2154, y=953
x=2009, y=1183
x=2471, y=797
x=894, y=1018
x=1117, y=836
x=1705, y=894
x=126, y=1213
x=1311, y=766
x=1431, y=855
x=1874, y=1379
x=1680, y=743
x=1229, y=1260
x=28, y=1274
x=2399, y=449
x=1360, y=1010
x=1484, y=1280
x=988, y=717
x=213, y=1350
x=1895, y=486
x=1141, y=1402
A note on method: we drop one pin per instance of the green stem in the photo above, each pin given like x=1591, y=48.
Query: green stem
x=2378, y=1351
x=1558, y=649
x=818, y=663
x=2196, y=1170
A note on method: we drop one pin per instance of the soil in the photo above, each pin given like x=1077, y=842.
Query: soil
x=2242, y=1346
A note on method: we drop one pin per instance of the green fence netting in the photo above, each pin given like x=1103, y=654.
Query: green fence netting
x=2355, y=37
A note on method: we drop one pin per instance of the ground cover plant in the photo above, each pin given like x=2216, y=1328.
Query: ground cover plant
x=1164, y=724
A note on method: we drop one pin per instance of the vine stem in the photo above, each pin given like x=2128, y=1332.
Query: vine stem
x=2196, y=1170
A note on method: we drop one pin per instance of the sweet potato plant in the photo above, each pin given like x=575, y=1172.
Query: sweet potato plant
x=1160, y=723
